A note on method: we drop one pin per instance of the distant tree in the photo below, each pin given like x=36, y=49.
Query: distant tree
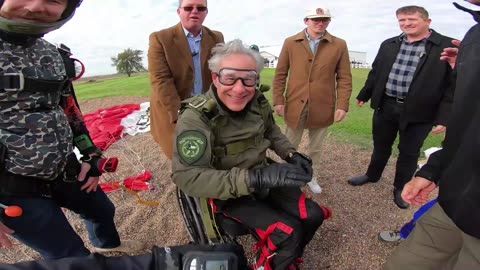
x=129, y=61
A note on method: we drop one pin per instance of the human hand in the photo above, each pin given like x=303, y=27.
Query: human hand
x=89, y=170
x=279, y=109
x=450, y=54
x=416, y=191
x=339, y=115
x=439, y=129
x=277, y=175
x=301, y=160
x=92, y=181
x=360, y=103
x=4, y=240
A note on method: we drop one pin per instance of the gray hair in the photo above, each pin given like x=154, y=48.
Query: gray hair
x=235, y=46
x=181, y=1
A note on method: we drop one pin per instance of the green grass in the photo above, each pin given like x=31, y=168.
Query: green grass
x=136, y=85
x=355, y=128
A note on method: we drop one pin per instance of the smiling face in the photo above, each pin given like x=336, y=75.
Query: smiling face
x=192, y=20
x=33, y=11
x=239, y=69
x=414, y=25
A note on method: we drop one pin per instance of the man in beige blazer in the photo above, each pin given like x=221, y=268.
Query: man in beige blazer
x=177, y=63
x=313, y=82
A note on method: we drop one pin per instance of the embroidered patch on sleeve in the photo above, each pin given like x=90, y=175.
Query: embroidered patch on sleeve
x=191, y=145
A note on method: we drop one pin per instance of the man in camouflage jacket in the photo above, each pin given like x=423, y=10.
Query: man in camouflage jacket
x=40, y=123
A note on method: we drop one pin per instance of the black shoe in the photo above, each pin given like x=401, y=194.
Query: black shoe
x=359, y=180
x=397, y=198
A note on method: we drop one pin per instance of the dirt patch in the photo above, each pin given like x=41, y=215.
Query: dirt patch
x=347, y=241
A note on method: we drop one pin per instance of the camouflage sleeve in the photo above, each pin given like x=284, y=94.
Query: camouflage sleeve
x=81, y=136
x=192, y=162
x=279, y=142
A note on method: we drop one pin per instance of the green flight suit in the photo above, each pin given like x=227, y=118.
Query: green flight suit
x=211, y=160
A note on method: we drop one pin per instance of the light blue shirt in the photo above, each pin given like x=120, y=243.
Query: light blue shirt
x=313, y=42
x=194, y=44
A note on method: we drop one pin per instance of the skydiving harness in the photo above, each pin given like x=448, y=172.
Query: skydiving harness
x=207, y=109
x=17, y=81
x=19, y=185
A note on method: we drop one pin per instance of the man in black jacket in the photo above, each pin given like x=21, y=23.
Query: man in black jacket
x=411, y=91
x=448, y=235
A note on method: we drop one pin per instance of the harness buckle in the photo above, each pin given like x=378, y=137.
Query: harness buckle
x=198, y=102
x=64, y=49
x=13, y=81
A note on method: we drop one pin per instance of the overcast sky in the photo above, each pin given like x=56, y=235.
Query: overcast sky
x=103, y=28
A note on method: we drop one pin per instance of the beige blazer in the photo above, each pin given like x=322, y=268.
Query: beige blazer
x=171, y=70
x=323, y=81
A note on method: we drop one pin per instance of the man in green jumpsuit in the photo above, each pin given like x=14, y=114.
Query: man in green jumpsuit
x=220, y=152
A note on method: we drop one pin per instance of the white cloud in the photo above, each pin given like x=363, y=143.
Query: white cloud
x=103, y=28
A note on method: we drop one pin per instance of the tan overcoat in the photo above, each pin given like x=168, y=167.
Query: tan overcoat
x=322, y=81
x=171, y=71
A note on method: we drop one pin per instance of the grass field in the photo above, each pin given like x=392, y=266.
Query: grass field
x=355, y=129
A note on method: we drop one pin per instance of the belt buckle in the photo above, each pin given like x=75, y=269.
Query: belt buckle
x=399, y=100
x=9, y=79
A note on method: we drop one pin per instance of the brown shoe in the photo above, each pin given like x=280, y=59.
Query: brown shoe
x=127, y=246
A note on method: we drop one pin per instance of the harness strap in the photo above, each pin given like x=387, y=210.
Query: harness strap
x=237, y=147
x=67, y=61
x=265, y=247
x=20, y=185
x=208, y=219
x=16, y=81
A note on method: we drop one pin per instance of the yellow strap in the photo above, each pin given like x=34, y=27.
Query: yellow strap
x=208, y=220
x=139, y=199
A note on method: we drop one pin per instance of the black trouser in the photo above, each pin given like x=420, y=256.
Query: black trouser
x=284, y=221
x=386, y=125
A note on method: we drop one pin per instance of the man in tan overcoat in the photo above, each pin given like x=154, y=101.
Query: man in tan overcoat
x=177, y=63
x=313, y=82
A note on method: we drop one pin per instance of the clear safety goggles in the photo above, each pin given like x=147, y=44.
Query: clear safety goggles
x=229, y=76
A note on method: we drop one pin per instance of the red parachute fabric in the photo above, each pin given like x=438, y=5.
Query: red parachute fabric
x=135, y=183
x=139, y=182
x=104, y=124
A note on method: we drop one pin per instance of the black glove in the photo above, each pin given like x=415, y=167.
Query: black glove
x=301, y=160
x=94, y=165
x=277, y=175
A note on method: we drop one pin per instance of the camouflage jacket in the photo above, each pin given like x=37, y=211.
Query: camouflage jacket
x=34, y=125
x=211, y=159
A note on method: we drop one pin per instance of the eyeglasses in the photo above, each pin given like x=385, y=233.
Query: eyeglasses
x=199, y=8
x=229, y=76
x=320, y=19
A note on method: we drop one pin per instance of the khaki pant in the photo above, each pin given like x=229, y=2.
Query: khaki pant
x=436, y=243
x=316, y=137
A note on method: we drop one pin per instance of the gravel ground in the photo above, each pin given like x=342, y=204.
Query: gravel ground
x=347, y=241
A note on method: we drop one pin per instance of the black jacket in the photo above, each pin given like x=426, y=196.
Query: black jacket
x=431, y=92
x=456, y=168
